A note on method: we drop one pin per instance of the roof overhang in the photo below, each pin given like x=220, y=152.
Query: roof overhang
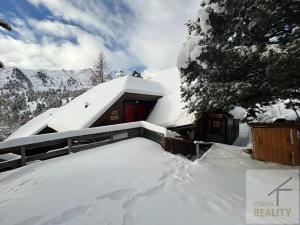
x=274, y=125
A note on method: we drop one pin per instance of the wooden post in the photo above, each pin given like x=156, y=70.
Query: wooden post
x=23, y=156
x=197, y=150
x=111, y=137
x=70, y=143
x=142, y=132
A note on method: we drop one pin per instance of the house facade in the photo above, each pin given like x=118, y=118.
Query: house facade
x=129, y=99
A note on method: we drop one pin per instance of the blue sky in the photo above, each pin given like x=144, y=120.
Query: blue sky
x=69, y=34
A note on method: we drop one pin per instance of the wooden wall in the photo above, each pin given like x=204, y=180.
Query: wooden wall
x=277, y=144
x=148, y=100
x=184, y=147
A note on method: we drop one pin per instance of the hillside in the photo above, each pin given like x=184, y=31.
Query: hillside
x=26, y=93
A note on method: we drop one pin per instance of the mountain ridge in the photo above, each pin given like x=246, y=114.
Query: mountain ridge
x=25, y=94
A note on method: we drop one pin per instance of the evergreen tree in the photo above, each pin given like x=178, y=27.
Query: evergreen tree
x=136, y=74
x=242, y=53
x=120, y=74
x=101, y=71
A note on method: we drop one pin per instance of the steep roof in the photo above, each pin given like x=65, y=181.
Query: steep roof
x=34, y=126
x=169, y=110
x=84, y=110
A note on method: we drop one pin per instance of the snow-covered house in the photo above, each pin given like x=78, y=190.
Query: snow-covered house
x=126, y=99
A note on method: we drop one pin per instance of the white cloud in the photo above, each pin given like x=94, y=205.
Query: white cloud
x=151, y=34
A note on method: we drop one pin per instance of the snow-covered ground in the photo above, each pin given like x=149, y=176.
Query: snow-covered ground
x=130, y=182
x=245, y=136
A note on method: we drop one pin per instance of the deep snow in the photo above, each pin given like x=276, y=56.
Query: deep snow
x=130, y=182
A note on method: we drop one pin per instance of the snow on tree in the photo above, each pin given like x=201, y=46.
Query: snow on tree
x=136, y=74
x=101, y=71
x=241, y=53
x=120, y=74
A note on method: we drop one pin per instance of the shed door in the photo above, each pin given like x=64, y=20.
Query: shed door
x=276, y=145
x=216, y=130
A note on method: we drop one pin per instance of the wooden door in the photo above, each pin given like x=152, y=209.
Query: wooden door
x=129, y=113
x=139, y=112
x=134, y=112
x=276, y=144
x=216, y=130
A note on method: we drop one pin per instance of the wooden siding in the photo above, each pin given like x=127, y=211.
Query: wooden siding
x=276, y=143
x=104, y=119
x=226, y=131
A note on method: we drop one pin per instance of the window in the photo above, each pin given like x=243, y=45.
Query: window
x=114, y=115
x=216, y=127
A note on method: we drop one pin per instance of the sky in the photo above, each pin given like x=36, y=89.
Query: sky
x=69, y=34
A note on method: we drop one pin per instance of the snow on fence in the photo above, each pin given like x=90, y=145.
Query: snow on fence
x=39, y=147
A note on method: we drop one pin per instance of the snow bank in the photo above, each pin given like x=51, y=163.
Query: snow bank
x=245, y=136
x=9, y=157
x=130, y=182
x=169, y=110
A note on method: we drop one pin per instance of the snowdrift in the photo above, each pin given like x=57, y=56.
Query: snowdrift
x=130, y=182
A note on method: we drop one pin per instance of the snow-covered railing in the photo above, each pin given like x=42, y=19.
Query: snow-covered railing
x=46, y=146
x=201, y=147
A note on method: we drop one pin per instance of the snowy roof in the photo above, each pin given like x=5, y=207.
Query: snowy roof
x=84, y=110
x=169, y=110
x=34, y=126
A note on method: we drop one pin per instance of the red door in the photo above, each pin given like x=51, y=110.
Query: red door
x=134, y=112
x=139, y=112
x=129, y=113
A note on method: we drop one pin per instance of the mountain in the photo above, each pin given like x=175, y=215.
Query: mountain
x=27, y=93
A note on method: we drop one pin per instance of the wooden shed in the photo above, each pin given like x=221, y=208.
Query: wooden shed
x=276, y=142
x=221, y=128
x=211, y=127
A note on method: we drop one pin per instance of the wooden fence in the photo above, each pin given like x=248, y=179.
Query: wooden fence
x=42, y=147
x=41, y=150
x=184, y=147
